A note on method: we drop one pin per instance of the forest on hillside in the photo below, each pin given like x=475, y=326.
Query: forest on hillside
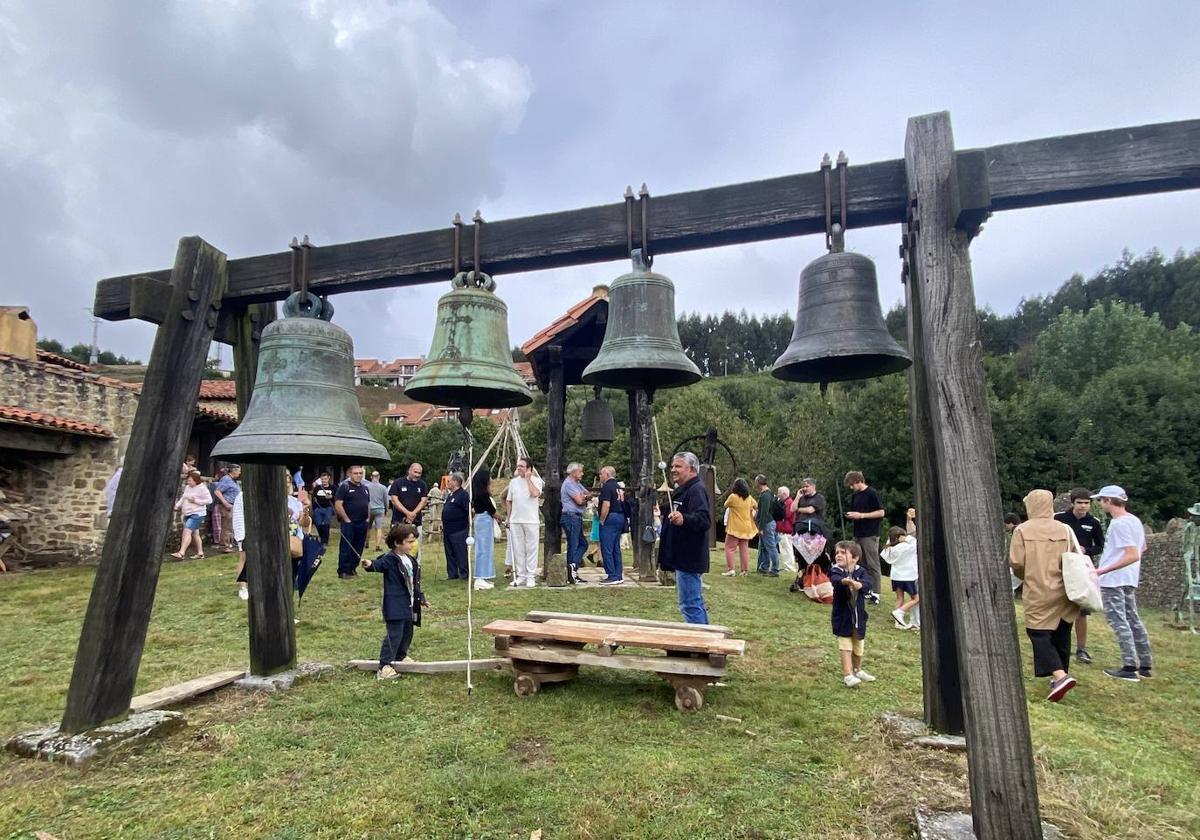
x=1096, y=383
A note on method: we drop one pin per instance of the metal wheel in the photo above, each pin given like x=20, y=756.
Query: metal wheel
x=688, y=699
x=525, y=685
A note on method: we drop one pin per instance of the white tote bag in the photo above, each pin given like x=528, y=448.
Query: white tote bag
x=1079, y=576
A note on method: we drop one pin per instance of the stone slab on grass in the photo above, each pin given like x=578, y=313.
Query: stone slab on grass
x=78, y=750
x=900, y=728
x=956, y=825
x=953, y=743
x=284, y=680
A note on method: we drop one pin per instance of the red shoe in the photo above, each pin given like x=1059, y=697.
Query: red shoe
x=1059, y=689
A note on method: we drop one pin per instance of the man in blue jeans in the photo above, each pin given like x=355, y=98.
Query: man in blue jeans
x=574, y=498
x=684, y=544
x=612, y=525
x=768, y=541
x=352, y=504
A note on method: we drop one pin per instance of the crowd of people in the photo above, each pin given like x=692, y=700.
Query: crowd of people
x=792, y=533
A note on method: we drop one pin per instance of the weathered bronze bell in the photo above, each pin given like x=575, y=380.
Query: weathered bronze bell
x=303, y=405
x=470, y=360
x=598, y=425
x=641, y=347
x=840, y=333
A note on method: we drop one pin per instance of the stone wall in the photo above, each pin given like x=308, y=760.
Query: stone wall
x=66, y=491
x=1162, y=582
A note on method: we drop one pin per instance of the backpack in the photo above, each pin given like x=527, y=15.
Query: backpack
x=816, y=585
x=778, y=511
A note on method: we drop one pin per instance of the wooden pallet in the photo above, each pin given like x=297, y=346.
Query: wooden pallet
x=688, y=657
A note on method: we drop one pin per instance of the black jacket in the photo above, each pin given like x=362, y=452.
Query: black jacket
x=402, y=595
x=684, y=548
x=1088, y=531
x=456, y=512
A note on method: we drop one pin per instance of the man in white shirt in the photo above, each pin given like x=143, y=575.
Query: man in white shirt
x=1119, y=569
x=521, y=504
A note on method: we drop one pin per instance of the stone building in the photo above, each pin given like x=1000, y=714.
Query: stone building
x=63, y=432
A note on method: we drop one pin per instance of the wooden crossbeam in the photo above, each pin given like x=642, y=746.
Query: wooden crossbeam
x=1033, y=173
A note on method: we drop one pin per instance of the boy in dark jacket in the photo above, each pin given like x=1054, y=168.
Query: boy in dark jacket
x=851, y=583
x=402, y=596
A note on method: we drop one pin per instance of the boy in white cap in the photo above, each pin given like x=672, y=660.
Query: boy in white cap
x=1120, y=566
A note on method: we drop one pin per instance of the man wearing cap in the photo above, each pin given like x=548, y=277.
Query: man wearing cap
x=1120, y=566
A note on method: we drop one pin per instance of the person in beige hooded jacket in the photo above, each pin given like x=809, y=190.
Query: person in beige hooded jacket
x=1035, y=556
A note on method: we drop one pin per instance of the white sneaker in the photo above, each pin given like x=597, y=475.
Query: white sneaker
x=730, y=573
x=863, y=676
x=244, y=594
x=900, y=617
x=530, y=583
x=850, y=680
x=387, y=672
x=482, y=583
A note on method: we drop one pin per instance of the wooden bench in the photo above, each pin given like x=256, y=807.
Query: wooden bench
x=689, y=657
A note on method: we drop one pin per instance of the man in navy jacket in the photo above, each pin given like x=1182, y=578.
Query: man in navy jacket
x=684, y=547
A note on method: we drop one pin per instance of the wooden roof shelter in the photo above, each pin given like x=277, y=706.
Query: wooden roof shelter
x=939, y=196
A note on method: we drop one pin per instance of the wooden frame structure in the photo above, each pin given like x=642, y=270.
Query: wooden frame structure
x=970, y=658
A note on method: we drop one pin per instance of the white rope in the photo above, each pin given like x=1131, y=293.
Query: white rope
x=658, y=447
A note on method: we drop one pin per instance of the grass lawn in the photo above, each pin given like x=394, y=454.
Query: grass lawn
x=604, y=756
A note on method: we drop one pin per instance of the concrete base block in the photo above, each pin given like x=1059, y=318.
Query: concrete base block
x=79, y=750
x=901, y=729
x=956, y=825
x=284, y=680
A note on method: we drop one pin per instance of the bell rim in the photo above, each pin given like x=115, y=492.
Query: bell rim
x=787, y=370
x=258, y=448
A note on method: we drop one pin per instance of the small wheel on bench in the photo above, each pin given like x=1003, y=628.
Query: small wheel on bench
x=525, y=685
x=688, y=698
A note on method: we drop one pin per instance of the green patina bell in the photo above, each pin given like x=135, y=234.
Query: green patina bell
x=598, y=425
x=304, y=405
x=641, y=347
x=470, y=360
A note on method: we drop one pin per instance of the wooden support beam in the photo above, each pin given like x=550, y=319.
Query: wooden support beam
x=641, y=481
x=29, y=440
x=268, y=558
x=149, y=300
x=1004, y=800
x=1034, y=173
x=556, y=401
x=445, y=666
x=118, y=613
x=942, y=690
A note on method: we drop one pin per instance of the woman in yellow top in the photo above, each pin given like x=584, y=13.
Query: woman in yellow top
x=739, y=525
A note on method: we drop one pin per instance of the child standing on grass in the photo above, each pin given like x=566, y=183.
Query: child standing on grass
x=402, y=596
x=851, y=583
x=901, y=552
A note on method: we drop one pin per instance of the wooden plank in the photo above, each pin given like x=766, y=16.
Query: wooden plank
x=25, y=439
x=620, y=662
x=149, y=299
x=545, y=615
x=612, y=634
x=641, y=481
x=118, y=613
x=174, y=694
x=1055, y=170
x=268, y=556
x=942, y=691
x=444, y=666
x=556, y=401
x=1004, y=800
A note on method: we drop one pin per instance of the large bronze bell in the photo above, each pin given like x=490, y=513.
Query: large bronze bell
x=470, y=360
x=598, y=425
x=641, y=347
x=840, y=333
x=303, y=405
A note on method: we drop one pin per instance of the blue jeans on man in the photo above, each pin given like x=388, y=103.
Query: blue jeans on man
x=610, y=545
x=768, y=549
x=351, y=546
x=572, y=525
x=691, y=597
x=322, y=516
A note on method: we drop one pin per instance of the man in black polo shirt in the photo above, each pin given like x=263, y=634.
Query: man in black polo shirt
x=866, y=512
x=352, y=504
x=1090, y=534
x=408, y=497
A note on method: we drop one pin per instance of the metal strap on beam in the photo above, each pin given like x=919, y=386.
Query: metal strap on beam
x=1034, y=173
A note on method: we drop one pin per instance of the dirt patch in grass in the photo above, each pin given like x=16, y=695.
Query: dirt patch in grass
x=531, y=752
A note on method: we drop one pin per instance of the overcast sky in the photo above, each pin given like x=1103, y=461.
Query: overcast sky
x=125, y=125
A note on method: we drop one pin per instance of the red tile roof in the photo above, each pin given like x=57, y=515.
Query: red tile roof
x=36, y=419
x=422, y=414
x=226, y=416
x=62, y=361
x=374, y=367
x=573, y=316
x=218, y=389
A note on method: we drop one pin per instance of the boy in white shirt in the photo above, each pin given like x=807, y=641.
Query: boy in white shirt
x=901, y=553
x=1119, y=570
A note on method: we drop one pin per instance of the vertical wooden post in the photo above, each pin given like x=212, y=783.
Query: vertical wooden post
x=1004, y=800
x=268, y=558
x=939, y=644
x=118, y=613
x=641, y=477
x=556, y=398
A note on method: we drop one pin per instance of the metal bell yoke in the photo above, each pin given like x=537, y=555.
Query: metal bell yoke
x=304, y=405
